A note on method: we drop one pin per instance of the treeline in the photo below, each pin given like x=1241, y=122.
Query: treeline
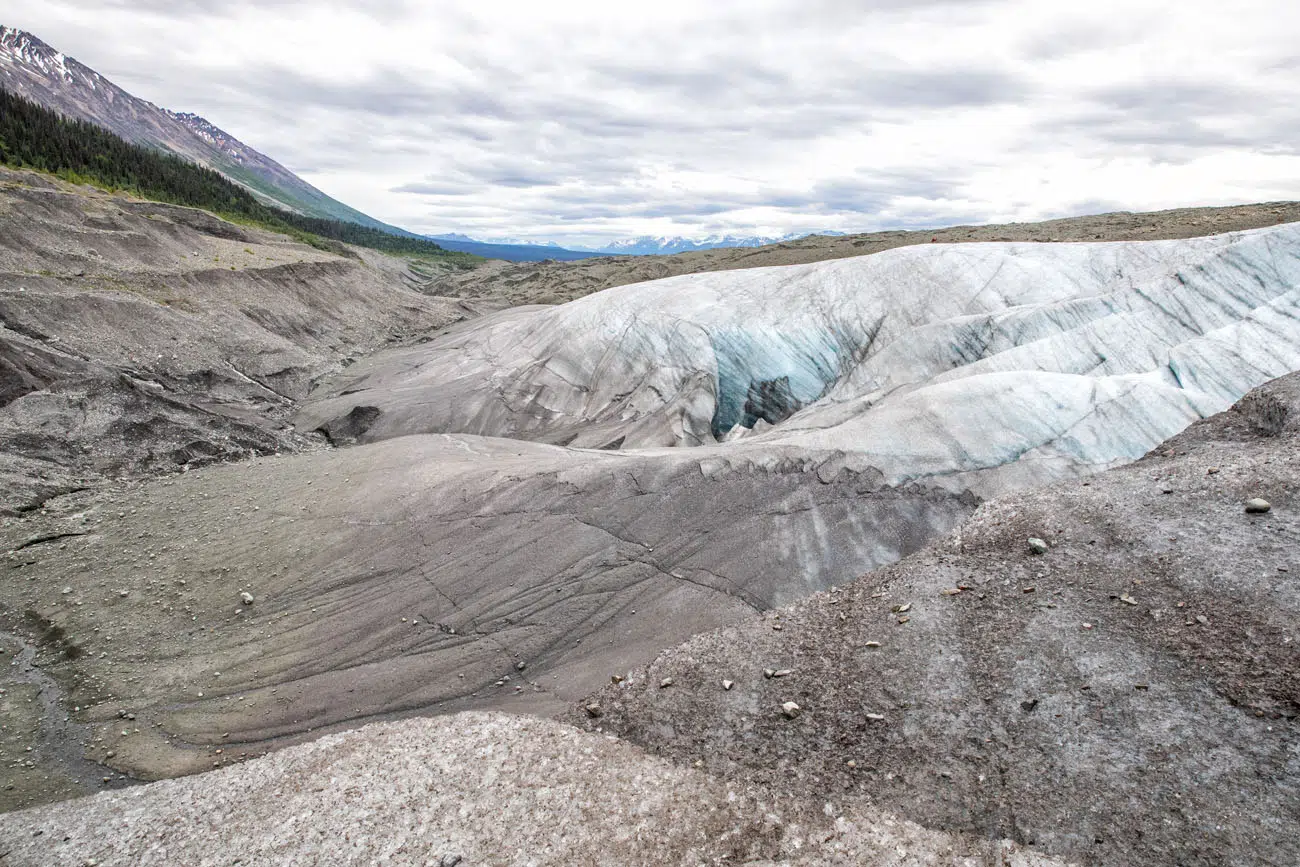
x=32, y=136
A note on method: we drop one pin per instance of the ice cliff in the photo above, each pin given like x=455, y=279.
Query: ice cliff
x=921, y=361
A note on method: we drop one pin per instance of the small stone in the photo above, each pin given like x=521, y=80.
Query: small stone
x=850, y=763
x=951, y=591
x=1037, y=546
x=903, y=619
x=1029, y=705
x=593, y=710
x=769, y=672
x=791, y=710
x=1257, y=506
x=728, y=684
x=246, y=598
x=1142, y=686
x=521, y=665
x=67, y=590
x=665, y=683
x=876, y=717
x=1203, y=620
x=1087, y=626
x=1212, y=471
x=873, y=644
x=1127, y=600
x=124, y=593
x=449, y=861
x=903, y=609
x=1028, y=589
x=777, y=627
x=616, y=678
x=782, y=672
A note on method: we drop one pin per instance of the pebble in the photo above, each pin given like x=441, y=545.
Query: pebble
x=791, y=710
x=783, y=672
x=246, y=598
x=1037, y=546
x=593, y=710
x=873, y=644
x=728, y=684
x=1203, y=620
x=1128, y=600
x=665, y=683
x=876, y=717
x=769, y=672
x=1257, y=506
x=521, y=665
x=449, y=861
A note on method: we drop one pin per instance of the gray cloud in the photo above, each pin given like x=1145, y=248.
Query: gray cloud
x=580, y=120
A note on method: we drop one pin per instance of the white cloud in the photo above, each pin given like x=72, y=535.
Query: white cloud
x=584, y=120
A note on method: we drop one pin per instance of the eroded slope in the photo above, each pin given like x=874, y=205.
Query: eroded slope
x=1130, y=697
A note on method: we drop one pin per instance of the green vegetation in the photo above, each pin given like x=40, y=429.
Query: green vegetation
x=34, y=137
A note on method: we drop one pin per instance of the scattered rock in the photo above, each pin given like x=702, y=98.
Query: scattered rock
x=728, y=684
x=1037, y=546
x=1257, y=506
x=520, y=665
x=1203, y=620
x=791, y=710
x=246, y=598
x=769, y=672
x=449, y=861
x=876, y=717
x=1127, y=600
x=665, y=683
x=783, y=672
x=594, y=710
x=1028, y=705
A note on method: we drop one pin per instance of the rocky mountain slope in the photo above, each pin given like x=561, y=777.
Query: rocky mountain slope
x=35, y=70
x=140, y=338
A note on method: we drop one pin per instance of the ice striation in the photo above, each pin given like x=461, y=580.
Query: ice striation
x=940, y=362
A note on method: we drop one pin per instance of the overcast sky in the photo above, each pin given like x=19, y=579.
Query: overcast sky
x=582, y=121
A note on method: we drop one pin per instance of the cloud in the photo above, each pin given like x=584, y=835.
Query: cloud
x=582, y=121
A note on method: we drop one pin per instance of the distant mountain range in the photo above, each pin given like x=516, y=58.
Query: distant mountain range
x=526, y=251
x=651, y=246
x=36, y=71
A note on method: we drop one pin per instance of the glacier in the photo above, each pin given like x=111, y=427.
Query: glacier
x=941, y=362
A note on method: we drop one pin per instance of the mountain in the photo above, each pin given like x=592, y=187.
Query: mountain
x=36, y=71
x=509, y=251
x=648, y=245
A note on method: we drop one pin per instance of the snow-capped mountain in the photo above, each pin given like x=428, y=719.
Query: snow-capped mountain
x=651, y=246
x=36, y=71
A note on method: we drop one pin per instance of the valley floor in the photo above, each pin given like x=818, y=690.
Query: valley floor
x=358, y=643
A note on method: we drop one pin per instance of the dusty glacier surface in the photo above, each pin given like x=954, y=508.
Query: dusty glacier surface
x=925, y=360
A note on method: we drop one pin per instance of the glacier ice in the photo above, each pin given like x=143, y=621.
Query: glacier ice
x=936, y=361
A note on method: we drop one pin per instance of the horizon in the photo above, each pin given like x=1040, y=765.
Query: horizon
x=556, y=126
